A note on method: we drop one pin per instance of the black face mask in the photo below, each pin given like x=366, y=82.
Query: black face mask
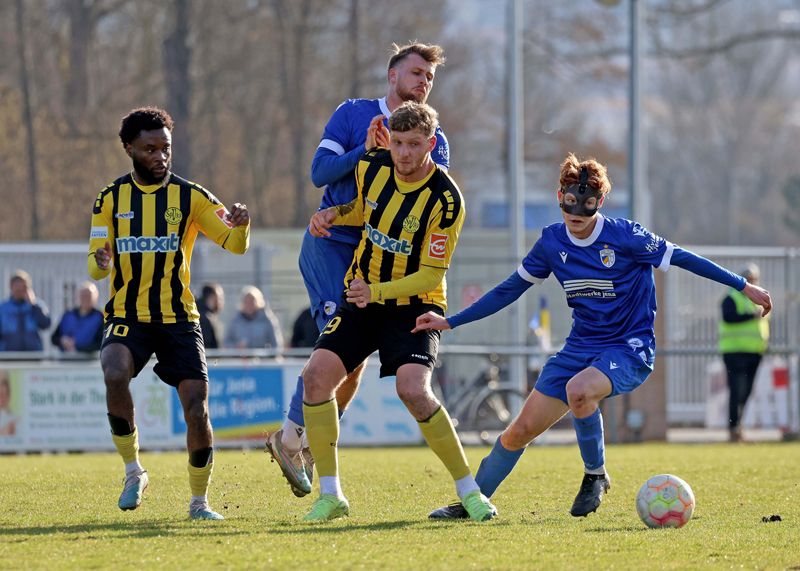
x=582, y=192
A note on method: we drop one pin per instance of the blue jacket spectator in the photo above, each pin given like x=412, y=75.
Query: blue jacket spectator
x=81, y=328
x=21, y=316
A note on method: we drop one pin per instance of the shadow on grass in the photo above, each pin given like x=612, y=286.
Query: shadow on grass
x=300, y=527
x=142, y=530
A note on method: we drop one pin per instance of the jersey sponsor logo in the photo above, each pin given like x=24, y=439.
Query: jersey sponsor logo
x=411, y=223
x=384, y=242
x=607, y=256
x=437, y=248
x=638, y=230
x=589, y=288
x=418, y=356
x=99, y=232
x=173, y=215
x=222, y=214
x=563, y=257
x=142, y=244
x=125, y=215
x=444, y=152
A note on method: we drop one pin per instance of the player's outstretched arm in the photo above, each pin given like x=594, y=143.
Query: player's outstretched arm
x=759, y=296
x=431, y=320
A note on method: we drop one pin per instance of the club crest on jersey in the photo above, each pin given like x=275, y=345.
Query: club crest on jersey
x=608, y=257
x=411, y=223
x=437, y=247
x=384, y=242
x=329, y=308
x=173, y=215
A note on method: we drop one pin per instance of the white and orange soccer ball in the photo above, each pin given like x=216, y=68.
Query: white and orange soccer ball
x=665, y=501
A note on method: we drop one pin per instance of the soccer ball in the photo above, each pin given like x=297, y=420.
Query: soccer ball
x=665, y=501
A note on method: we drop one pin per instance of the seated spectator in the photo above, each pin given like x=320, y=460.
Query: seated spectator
x=255, y=326
x=81, y=328
x=22, y=317
x=304, y=331
x=211, y=302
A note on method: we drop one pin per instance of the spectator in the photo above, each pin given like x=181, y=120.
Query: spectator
x=304, y=331
x=21, y=316
x=8, y=420
x=255, y=326
x=211, y=302
x=743, y=339
x=81, y=328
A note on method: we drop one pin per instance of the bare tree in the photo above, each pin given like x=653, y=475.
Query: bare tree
x=27, y=117
x=177, y=61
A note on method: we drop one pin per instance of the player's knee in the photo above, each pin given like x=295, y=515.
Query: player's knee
x=115, y=377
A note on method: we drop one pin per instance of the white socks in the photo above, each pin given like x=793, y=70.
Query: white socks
x=466, y=485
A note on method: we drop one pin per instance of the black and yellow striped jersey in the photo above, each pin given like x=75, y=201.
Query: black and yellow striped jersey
x=152, y=231
x=407, y=226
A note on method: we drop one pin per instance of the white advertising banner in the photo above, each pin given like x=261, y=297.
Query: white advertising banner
x=62, y=407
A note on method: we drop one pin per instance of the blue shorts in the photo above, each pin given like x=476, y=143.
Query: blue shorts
x=323, y=264
x=625, y=367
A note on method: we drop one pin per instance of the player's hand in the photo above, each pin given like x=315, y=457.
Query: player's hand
x=103, y=256
x=321, y=221
x=759, y=296
x=359, y=293
x=238, y=215
x=377, y=134
x=431, y=320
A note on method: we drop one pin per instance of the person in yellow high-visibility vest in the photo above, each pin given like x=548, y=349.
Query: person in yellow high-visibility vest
x=743, y=339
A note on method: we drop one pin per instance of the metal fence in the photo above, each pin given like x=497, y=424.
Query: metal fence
x=690, y=307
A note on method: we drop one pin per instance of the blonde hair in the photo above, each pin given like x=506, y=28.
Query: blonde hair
x=412, y=115
x=258, y=297
x=571, y=172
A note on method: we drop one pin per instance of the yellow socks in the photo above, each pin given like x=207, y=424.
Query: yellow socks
x=441, y=438
x=199, y=479
x=128, y=446
x=322, y=431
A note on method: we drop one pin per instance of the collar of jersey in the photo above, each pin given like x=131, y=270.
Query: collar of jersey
x=589, y=240
x=407, y=187
x=150, y=188
x=384, y=108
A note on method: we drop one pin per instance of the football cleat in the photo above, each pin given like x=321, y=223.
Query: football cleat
x=478, y=506
x=308, y=462
x=132, y=491
x=452, y=511
x=291, y=464
x=327, y=507
x=201, y=510
x=590, y=495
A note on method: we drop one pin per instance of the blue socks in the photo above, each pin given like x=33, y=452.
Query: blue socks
x=590, y=440
x=496, y=467
x=296, y=404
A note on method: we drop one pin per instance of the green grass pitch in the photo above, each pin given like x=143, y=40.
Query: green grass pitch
x=59, y=512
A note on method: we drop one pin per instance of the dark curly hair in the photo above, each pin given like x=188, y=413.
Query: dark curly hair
x=143, y=119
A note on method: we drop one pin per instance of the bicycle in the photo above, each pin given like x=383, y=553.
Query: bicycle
x=486, y=404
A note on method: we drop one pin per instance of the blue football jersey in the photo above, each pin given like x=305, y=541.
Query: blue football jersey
x=346, y=130
x=607, y=278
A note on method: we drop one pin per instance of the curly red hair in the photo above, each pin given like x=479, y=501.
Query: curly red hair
x=571, y=170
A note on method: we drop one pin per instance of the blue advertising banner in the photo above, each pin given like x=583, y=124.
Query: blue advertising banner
x=242, y=403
